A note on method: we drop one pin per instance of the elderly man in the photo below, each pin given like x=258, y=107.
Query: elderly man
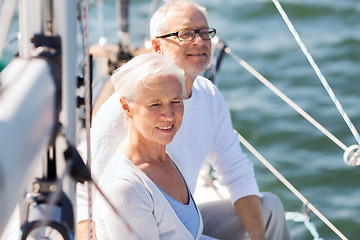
x=179, y=29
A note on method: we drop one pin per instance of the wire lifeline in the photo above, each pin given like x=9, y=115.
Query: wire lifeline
x=317, y=71
x=285, y=98
x=290, y=186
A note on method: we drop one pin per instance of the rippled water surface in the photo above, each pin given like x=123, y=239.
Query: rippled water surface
x=255, y=31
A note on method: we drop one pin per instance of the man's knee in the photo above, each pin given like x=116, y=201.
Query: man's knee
x=271, y=201
x=272, y=205
x=274, y=217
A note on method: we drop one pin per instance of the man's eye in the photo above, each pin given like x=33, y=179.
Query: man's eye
x=185, y=35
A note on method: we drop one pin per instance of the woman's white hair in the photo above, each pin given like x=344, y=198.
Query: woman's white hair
x=158, y=21
x=142, y=69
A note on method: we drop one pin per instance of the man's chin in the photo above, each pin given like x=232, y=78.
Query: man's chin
x=197, y=69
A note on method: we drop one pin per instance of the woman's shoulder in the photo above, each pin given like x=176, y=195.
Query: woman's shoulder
x=117, y=171
x=122, y=181
x=121, y=171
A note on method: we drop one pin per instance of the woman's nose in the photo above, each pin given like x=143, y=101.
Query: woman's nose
x=168, y=112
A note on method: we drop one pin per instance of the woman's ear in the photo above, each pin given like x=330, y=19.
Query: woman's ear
x=125, y=107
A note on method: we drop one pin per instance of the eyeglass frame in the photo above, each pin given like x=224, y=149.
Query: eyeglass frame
x=197, y=31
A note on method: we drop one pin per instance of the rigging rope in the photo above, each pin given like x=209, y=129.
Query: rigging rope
x=318, y=72
x=290, y=186
x=300, y=217
x=87, y=92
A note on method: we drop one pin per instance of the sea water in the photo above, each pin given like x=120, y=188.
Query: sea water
x=256, y=32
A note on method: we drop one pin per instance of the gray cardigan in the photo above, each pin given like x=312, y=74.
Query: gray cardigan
x=140, y=202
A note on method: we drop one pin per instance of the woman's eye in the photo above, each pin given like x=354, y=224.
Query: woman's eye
x=155, y=105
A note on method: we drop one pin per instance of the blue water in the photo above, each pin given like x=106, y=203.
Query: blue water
x=255, y=31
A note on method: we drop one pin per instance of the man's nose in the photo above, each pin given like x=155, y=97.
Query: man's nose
x=197, y=37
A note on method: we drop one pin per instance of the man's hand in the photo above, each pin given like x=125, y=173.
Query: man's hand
x=250, y=211
x=82, y=230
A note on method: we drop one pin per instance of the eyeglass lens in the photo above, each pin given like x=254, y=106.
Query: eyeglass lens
x=188, y=35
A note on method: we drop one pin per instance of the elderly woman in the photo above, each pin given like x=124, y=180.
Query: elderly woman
x=141, y=179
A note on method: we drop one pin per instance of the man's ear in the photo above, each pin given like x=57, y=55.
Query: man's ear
x=155, y=44
x=125, y=107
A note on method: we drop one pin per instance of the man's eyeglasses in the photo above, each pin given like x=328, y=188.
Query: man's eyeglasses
x=187, y=35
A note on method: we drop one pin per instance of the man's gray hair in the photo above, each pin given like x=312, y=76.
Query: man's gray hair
x=158, y=21
x=142, y=69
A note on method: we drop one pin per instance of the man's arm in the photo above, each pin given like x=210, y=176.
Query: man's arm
x=106, y=91
x=250, y=211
